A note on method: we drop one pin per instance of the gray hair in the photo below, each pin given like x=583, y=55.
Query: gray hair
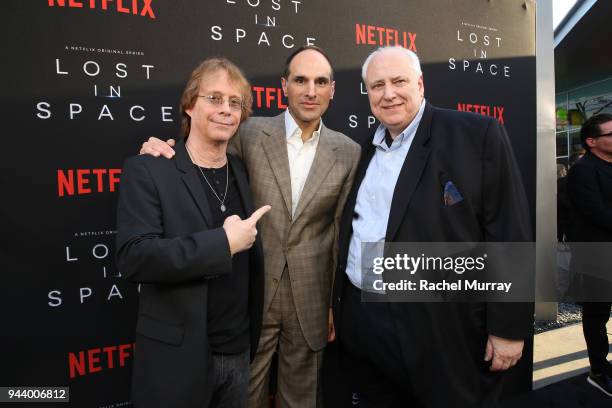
x=416, y=65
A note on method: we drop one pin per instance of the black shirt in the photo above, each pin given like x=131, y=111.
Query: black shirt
x=228, y=317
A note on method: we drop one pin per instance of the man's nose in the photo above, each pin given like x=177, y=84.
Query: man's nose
x=310, y=89
x=225, y=108
x=389, y=92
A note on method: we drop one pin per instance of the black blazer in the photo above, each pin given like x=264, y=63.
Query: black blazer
x=165, y=243
x=444, y=343
x=589, y=187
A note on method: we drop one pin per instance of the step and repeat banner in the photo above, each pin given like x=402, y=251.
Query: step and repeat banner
x=86, y=82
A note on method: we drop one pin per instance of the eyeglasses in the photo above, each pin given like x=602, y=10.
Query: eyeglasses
x=235, y=104
x=605, y=134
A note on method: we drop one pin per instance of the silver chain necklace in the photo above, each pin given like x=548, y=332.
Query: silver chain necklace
x=222, y=207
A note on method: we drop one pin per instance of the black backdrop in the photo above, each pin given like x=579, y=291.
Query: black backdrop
x=86, y=82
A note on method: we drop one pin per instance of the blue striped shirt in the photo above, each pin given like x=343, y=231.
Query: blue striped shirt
x=374, y=198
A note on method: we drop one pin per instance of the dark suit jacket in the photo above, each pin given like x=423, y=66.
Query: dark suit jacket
x=444, y=343
x=164, y=242
x=589, y=186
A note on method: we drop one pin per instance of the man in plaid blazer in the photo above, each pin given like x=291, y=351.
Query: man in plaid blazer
x=304, y=171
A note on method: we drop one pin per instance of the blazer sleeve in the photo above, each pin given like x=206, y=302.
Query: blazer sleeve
x=585, y=196
x=144, y=255
x=506, y=219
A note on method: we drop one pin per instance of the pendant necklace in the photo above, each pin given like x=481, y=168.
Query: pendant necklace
x=222, y=207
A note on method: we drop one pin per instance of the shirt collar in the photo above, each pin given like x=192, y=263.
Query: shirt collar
x=291, y=127
x=379, y=135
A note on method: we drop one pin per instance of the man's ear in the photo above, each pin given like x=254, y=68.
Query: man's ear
x=421, y=86
x=284, y=85
x=333, y=89
x=591, y=142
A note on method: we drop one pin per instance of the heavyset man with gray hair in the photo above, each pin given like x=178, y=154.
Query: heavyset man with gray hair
x=428, y=175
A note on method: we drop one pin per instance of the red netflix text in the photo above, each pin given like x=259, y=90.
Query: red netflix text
x=120, y=6
x=86, y=181
x=384, y=36
x=496, y=112
x=268, y=97
x=98, y=359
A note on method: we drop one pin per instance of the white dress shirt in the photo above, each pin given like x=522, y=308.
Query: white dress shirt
x=301, y=155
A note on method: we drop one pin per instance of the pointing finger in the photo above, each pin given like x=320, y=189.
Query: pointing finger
x=257, y=214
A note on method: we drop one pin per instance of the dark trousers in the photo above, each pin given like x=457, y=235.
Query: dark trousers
x=384, y=376
x=372, y=353
x=595, y=315
x=230, y=380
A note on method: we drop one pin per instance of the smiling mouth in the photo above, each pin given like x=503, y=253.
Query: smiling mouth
x=392, y=106
x=222, y=123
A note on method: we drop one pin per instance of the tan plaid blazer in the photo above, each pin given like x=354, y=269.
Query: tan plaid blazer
x=307, y=244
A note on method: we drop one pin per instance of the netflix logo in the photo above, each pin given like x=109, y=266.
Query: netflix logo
x=86, y=181
x=94, y=360
x=384, y=36
x=269, y=98
x=140, y=8
x=496, y=112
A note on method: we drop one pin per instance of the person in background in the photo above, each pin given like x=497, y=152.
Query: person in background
x=589, y=187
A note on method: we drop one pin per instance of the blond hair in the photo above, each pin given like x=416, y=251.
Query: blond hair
x=208, y=67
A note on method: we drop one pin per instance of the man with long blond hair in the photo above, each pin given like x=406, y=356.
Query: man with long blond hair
x=187, y=234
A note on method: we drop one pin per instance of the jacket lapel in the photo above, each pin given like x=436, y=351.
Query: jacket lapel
x=410, y=174
x=324, y=159
x=275, y=146
x=192, y=181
